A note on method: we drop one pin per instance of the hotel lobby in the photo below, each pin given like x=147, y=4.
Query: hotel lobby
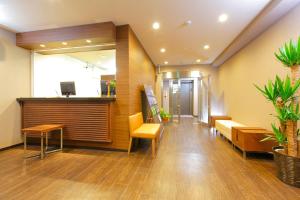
x=126, y=99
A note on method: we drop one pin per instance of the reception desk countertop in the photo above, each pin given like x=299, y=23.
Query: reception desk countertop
x=103, y=98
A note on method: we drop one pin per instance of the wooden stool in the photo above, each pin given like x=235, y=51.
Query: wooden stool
x=42, y=131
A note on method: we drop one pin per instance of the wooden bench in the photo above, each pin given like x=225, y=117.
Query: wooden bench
x=213, y=118
x=248, y=139
x=224, y=127
x=139, y=129
x=42, y=131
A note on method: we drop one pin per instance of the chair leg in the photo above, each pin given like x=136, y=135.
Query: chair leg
x=25, y=144
x=153, y=148
x=130, y=142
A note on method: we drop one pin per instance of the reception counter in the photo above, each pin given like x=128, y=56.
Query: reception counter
x=86, y=119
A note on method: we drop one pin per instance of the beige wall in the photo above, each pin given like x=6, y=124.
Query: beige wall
x=14, y=82
x=255, y=63
x=205, y=70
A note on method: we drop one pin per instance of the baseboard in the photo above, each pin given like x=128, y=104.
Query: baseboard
x=10, y=147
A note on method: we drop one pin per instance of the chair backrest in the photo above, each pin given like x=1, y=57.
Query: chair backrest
x=135, y=121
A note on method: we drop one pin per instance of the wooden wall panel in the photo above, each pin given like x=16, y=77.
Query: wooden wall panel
x=108, y=77
x=141, y=71
x=134, y=68
x=99, y=33
x=120, y=108
x=84, y=121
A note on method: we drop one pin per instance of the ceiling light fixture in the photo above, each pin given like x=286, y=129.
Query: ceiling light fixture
x=223, y=18
x=155, y=25
x=206, y=46
x=64, y=43
x=89, y=41
x=166, y=62
x=188, y=22
x=42, y=45
x=198, y=60
x=163, y=50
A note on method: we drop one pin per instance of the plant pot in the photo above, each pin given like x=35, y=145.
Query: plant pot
x=112, y=91
x=165, y=120
x=288, y=167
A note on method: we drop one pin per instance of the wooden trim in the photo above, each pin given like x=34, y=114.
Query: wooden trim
x=75, y=36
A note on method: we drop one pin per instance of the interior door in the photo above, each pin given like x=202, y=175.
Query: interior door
x=174, y=98
x=186, y=97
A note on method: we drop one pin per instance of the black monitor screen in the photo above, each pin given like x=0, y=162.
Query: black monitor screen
x=67, y=88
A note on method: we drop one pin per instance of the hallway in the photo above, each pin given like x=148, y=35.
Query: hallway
x=192, y=163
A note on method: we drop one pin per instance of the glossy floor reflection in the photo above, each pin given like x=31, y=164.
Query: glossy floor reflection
x=191, y=163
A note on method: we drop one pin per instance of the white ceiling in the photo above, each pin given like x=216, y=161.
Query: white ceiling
x=184, y=44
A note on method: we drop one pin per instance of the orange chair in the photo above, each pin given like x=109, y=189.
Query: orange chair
x=138, y=129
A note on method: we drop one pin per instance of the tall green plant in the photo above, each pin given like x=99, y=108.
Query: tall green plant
x=278, y=136
x=288, y=112
x=289, y=54
x=281, y=91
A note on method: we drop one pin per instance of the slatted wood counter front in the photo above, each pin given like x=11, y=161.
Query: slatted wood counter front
x=84, y=119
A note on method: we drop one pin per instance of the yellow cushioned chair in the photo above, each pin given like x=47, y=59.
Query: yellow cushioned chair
x=139, y=129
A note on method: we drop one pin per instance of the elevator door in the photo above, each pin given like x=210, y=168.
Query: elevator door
x=186, y=97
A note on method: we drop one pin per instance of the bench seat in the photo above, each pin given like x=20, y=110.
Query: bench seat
x=225, y=126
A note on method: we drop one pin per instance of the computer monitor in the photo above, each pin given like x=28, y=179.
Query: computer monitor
x=67, y=88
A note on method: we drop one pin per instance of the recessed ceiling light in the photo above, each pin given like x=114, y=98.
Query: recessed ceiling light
x=42, y=45
x=223, y=18
x=198, y=60
x=155, y=25
x=166, y=62
x=188, y=22
x=88, y=41
x=163, y=50
x=64, y=43
x=206, y=46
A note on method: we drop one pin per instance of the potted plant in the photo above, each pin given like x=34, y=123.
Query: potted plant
x=164, y=116
x=112, y=85
x=284, y=95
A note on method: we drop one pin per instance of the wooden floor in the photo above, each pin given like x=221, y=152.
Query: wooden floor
x=192, y=163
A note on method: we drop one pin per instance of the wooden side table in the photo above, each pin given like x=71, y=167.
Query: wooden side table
x=249, y=140
x=42, y=131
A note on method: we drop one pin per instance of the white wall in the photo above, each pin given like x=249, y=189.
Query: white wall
x=50, y=70
x=257, y=64
x=14, y=83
